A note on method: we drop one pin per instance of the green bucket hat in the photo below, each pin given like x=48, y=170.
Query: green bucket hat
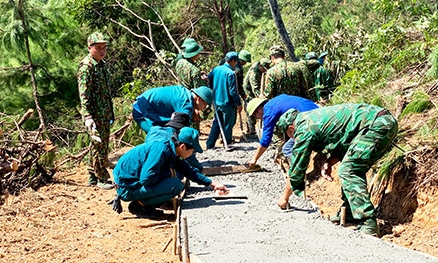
x=188, y=41
x=245, y=56
x=192, y=49
x=276, y=50
x=96, y=38
x=311, y=55
x=205, y=93
x=190, y=136
x=286, y=120
x=254, y=104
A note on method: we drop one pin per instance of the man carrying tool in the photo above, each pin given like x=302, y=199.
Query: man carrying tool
x=148, y=174
x=270, y=111
x=155, y=106
x=356, y=134
x=226, y=100
x=96, y=108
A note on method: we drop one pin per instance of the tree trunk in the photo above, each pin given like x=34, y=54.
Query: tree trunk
x=276, y=15
x=20, y=9
x=219, y=11
x=230, y=28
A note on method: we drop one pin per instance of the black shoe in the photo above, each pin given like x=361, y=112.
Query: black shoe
x=143, y=210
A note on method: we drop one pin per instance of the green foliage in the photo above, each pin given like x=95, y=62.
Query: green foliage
x=420, y=102
x=433, y=58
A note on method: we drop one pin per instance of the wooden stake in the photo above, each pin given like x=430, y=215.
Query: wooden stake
x=167, y=244
x=186, y=254
x=343, y=216
x=175, y=238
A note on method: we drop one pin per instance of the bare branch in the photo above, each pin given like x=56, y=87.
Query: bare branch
x=164, y=26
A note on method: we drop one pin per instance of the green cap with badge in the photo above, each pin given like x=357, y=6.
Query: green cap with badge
x=96, y=38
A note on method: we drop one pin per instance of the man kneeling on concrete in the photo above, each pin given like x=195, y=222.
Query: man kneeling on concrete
x=147, y=174
x=356, y=134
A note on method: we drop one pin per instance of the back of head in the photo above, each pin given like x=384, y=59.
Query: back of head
x=276, y=51
x=245, y=56
x=179, y=120
x=254, y=104
x=286, y=120
x=266, y=63
x=190, y=136
x=205, y=93
x=232, y=55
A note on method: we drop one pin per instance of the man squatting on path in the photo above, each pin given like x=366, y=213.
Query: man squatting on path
x=356, y=134
x=150, y=174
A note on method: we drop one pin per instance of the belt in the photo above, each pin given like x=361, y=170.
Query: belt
x=383, y=112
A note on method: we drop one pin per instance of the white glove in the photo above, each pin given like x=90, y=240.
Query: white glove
x=89, y=123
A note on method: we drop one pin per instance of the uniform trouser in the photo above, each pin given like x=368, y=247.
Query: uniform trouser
x=99, y=152
x=364, y=150
x=287, y=148
x=227, y=117
x=153, y=195
x=144, y=123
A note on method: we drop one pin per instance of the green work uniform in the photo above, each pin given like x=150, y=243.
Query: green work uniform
x=357, y=134
x=95, y=96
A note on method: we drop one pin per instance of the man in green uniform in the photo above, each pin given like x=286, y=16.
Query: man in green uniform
x=244, y=58
x=285, y=77
x=96, y=107
x=252, y=83
x=356, y=134
x=324, y=83
x=190, y=76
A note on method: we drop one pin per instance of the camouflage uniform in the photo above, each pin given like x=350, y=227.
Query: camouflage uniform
x=357, y=134
x=287, y=78
x=324, y=83
x=252, y=82
x=94, y=93
x=238, y=69
x=189, y=74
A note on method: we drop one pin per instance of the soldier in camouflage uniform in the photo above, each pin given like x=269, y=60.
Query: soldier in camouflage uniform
x=96, y=107
x=286, y=77
x=190, y=76
x=244, y=58
x=252, y=83
x=324, y=83
x=357, y=134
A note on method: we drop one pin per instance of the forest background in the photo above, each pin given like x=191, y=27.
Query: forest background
x=382, y=52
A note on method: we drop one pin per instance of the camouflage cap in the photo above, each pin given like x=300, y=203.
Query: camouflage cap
x=266, y=63
x=276, y=50
x=96, y=38
x=286, y=120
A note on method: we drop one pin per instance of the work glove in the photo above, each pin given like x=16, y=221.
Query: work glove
x=117, y=204
x=90, y=124
x=111, y=122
